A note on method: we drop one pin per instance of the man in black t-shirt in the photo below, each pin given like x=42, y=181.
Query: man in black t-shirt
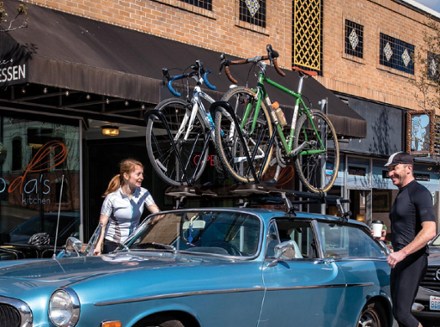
x=413, y=225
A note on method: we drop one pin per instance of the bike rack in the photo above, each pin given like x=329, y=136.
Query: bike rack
x=262, y=194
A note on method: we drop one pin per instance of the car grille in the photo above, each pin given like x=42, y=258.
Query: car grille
x=432, y=278
x=9, y=316
x=14, y=313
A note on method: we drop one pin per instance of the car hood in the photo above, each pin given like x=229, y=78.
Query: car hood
x=52, y=270
x=20, y=276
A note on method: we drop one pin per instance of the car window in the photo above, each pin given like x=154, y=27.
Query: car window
x=215, y=232
x=345, y=241
x=436, y=241
x=299, y=231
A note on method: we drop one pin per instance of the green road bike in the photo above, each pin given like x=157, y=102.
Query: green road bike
x=258, y=137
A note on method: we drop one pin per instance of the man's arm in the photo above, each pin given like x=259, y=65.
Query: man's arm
x=426, y=234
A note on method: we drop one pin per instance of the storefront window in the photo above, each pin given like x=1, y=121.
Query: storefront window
x=39, y=178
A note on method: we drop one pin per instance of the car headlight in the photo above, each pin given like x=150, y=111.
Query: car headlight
x=64, y=308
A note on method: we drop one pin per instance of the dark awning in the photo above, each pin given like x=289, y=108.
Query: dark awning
x=81, y=54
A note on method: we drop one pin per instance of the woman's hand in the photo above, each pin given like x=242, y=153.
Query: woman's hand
x=98, y=249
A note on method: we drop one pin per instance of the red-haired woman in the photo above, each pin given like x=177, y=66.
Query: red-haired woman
x=123, y=206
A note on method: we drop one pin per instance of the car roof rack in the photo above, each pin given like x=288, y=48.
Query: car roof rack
x=262, y=194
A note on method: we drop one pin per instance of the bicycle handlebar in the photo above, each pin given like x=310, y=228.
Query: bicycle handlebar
x=170, y=84
x=272, y=56
x=198, y=71
x=208, y=83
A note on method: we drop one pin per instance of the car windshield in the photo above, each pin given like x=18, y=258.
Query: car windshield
x=436, y=241
x=229, y=233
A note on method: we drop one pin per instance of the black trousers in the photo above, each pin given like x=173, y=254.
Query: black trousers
x=405, y=280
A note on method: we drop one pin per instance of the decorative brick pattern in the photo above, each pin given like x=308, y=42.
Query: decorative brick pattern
x=307, y=33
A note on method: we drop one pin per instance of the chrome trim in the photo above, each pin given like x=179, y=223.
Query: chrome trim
x=320, y=286
x=183, y=294
x=75, y=299
x=243, y=290
x=76, y=305
x=25, y=311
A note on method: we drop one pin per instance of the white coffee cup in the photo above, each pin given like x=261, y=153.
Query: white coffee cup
x=377, y=226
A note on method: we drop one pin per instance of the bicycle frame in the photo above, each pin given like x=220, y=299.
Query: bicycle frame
x=262, y=95
x=188, y=122
x=193, y=113
x=198, y=106
x=258, y=136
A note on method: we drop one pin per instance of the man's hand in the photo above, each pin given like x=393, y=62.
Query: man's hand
x=395, y=257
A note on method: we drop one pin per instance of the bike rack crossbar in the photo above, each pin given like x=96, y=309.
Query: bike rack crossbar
x=263, y=195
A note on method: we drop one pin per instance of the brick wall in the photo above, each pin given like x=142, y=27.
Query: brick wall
x=221, y=30
x=366, y=77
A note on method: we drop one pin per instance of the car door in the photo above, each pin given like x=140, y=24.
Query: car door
x=361, y=260
x=307, y=291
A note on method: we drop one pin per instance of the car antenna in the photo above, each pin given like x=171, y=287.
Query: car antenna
x=58, y=219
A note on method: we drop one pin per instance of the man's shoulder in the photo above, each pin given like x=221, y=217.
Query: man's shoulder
x=419, y=193
x=416, y=186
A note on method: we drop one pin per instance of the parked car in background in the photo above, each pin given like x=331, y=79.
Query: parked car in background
x=211, y=267
x=427, y=304
x=35, y=237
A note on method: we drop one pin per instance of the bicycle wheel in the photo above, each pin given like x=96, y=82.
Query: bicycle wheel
x=230, y=147
x=177, y=152
x=317, y=163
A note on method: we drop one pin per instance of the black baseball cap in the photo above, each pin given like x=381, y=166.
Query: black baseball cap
x=400, y=158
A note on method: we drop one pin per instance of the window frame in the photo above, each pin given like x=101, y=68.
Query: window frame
x=349, y=26
x=397, y=47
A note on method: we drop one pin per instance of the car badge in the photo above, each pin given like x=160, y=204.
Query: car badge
x=437, y=274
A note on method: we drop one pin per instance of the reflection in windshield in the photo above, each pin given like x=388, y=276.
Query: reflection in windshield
x=436, y=241
x=342, y=241
x=215, y=232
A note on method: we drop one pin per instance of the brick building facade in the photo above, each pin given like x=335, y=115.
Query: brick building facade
x=220, y=29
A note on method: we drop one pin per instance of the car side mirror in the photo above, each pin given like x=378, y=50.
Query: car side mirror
x=73, y=247
x=286, y=251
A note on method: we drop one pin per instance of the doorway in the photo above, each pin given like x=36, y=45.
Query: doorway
x=360, y=205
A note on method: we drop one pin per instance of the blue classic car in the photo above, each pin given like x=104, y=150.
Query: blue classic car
x=211, y=267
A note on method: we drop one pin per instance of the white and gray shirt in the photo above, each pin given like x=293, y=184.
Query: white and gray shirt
x=124, y=212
